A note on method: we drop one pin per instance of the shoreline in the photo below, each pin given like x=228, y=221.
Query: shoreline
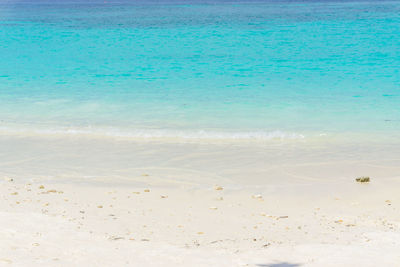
x=206, y=135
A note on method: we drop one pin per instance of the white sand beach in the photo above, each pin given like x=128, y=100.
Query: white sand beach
x=200, y=133
x=83, y=201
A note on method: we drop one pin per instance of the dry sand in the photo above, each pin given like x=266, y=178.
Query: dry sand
x=77, y=201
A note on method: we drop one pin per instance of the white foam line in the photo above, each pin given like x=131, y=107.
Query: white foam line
x=156, y=134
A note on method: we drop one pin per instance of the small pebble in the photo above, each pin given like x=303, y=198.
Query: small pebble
x=218, y=188
x=257, y=197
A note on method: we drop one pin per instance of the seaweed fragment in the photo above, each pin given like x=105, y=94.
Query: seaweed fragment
x=363, y=179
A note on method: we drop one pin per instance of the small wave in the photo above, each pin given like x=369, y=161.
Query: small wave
x=155, y=133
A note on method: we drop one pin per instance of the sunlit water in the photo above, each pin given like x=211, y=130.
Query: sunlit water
x=271, y=69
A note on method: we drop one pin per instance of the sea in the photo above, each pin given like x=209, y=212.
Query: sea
x=264, y=70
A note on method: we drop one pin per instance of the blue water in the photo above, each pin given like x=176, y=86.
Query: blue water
x=285, y=69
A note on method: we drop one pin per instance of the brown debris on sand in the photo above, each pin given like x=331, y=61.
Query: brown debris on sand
x=363, y=179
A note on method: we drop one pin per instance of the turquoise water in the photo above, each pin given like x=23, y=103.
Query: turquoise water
x=293, y=69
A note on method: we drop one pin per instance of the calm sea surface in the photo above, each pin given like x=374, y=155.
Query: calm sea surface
x=272, y=69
